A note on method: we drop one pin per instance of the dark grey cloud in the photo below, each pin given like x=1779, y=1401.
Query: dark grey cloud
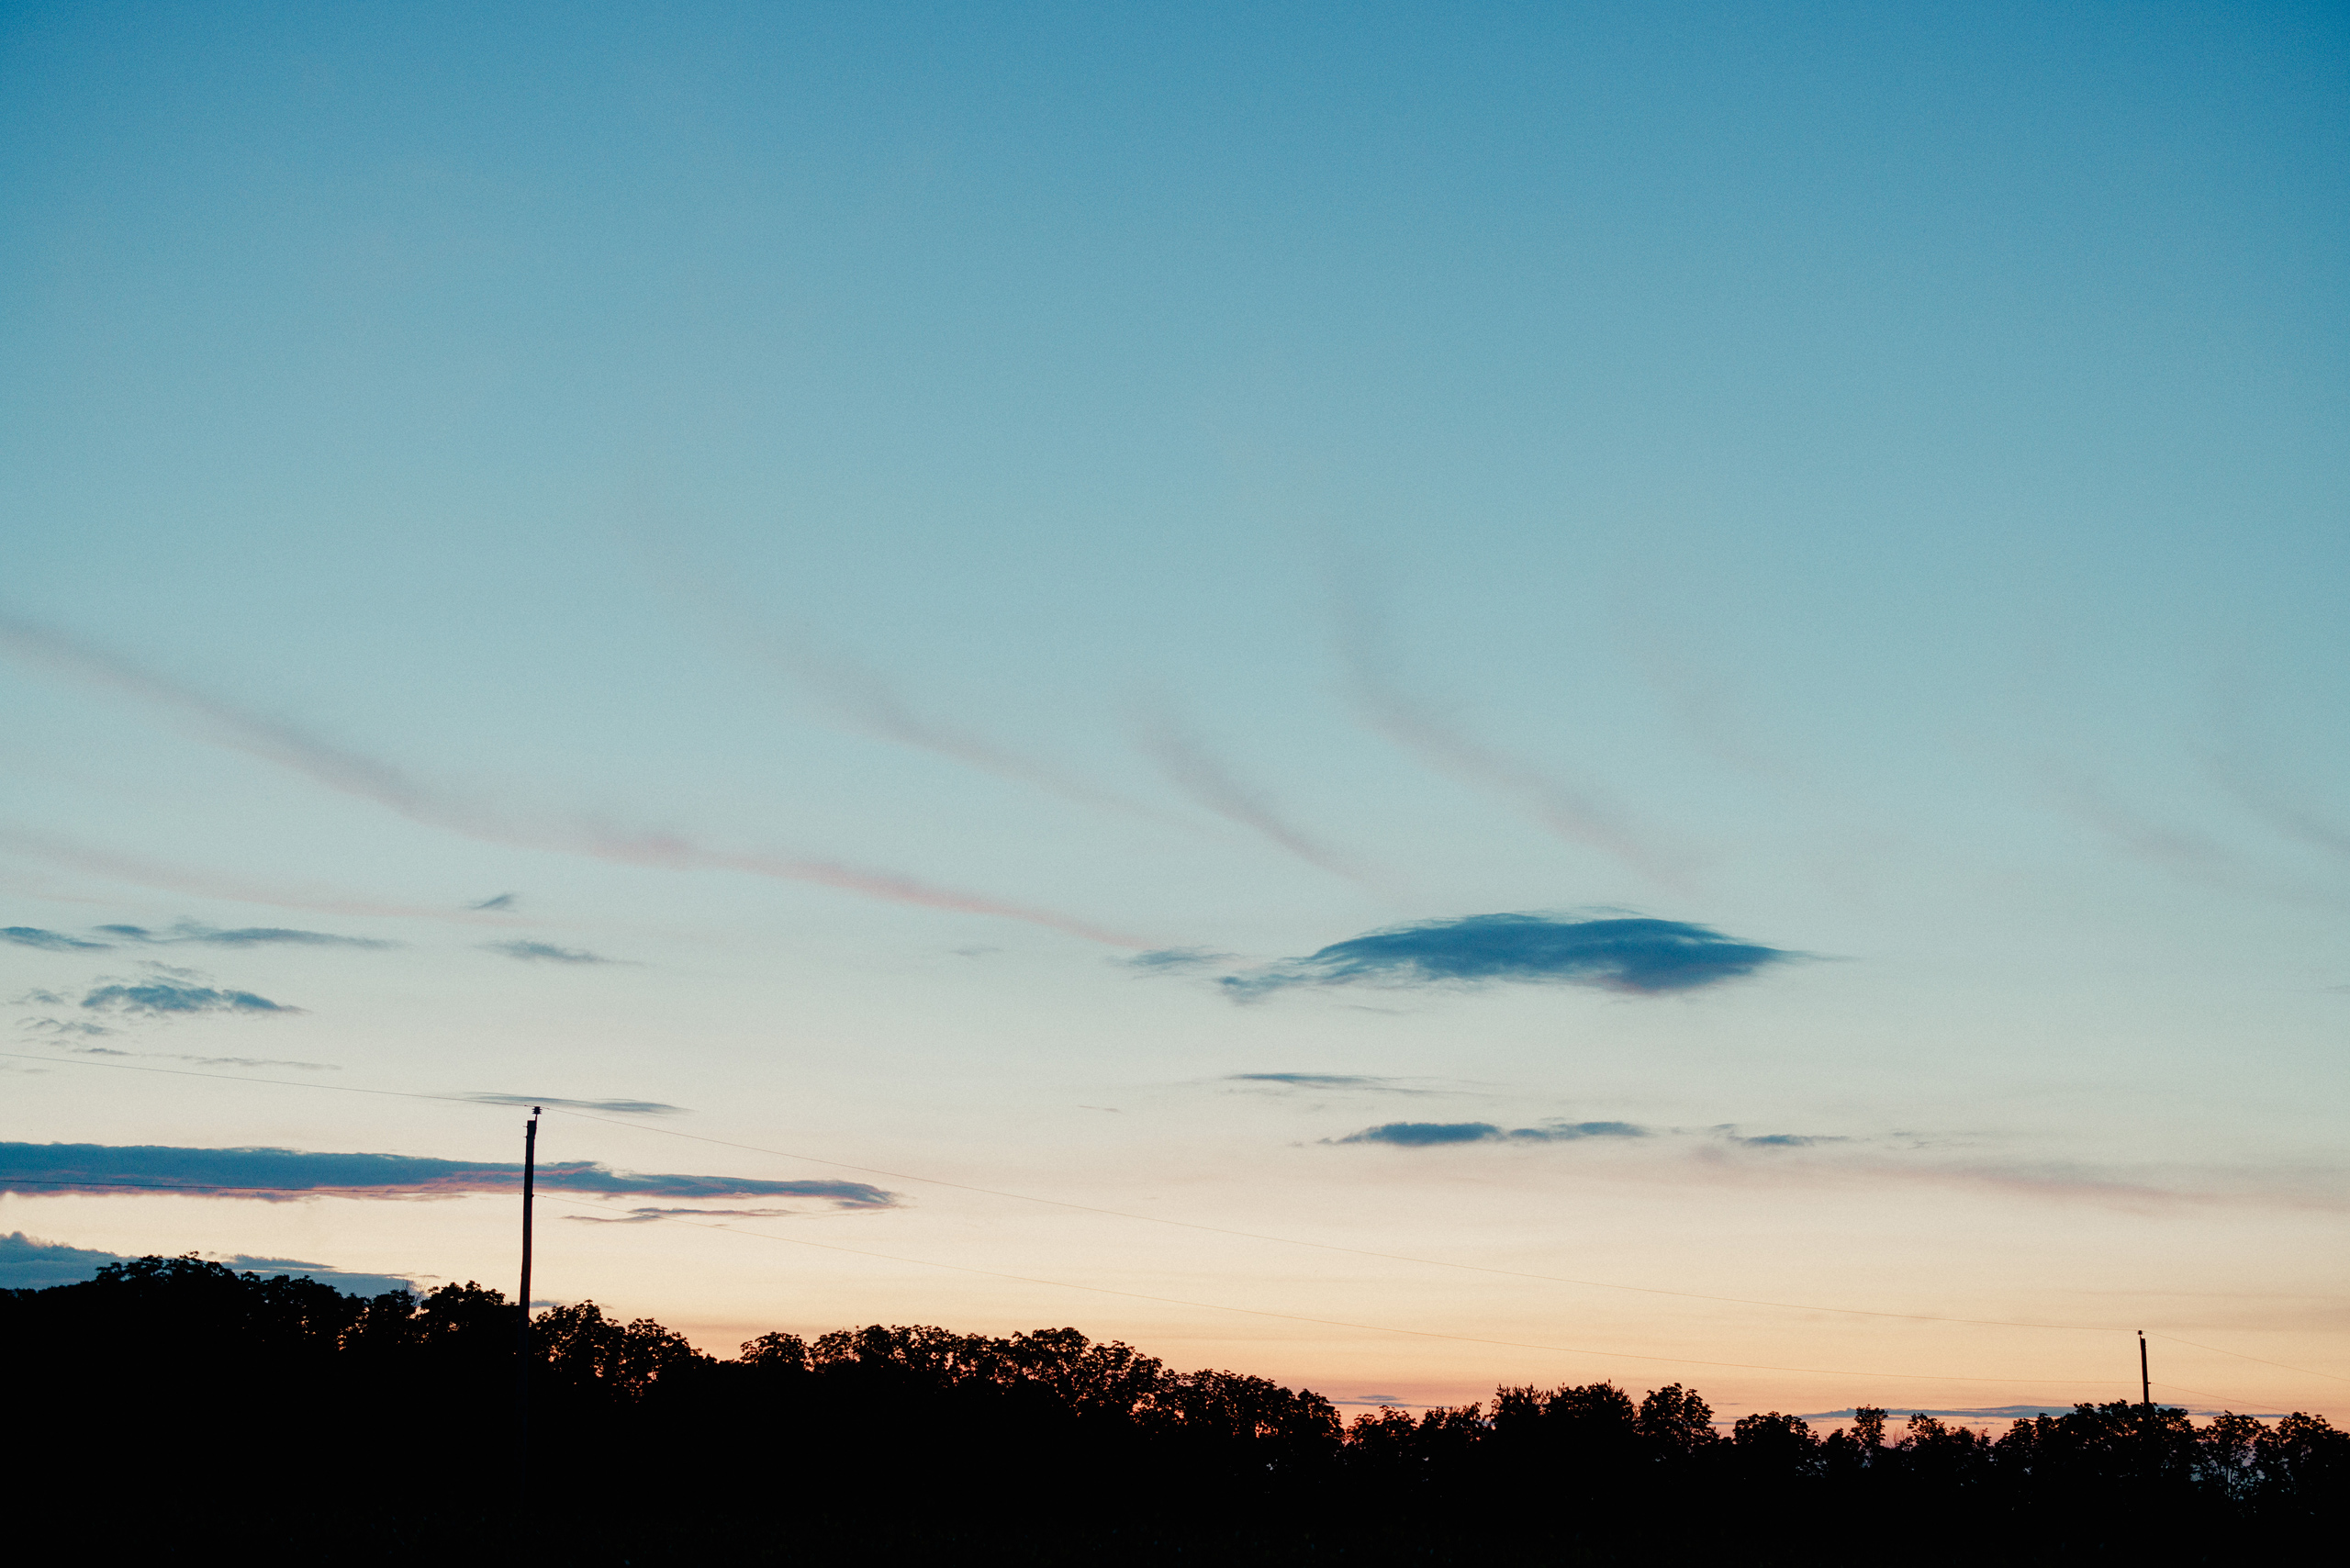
x=502, y=902
x=625, y=1107
x=547, y=953
x=30, y=1263
x=162, y=999
x=275, y=1175
x=188, y=931
x=1635, y=954
x=48, y=941
x=1426, y=1134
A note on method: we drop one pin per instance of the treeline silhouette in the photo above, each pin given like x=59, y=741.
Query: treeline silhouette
x=176, y=1402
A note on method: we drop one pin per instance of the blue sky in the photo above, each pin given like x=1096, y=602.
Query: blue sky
x=897, y=582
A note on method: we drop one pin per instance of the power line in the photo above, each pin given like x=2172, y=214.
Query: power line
x=2310, y=1371
x=244, y=1078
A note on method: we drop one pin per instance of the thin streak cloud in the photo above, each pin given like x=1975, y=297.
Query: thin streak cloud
x=1580, y=814
x=144, y=873
x=49, y=941
x=196, y=932
x=863, y=700
x=2184, y=852
x=548, y=953
x=622, y=1107
x=1210, y=782
x=860, y=699
x=353, y=773
x=2294, y=819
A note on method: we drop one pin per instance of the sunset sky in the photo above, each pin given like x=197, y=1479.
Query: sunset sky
x=1399, y=696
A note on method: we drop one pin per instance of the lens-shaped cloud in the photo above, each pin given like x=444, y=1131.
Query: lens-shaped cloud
x=1634, y=955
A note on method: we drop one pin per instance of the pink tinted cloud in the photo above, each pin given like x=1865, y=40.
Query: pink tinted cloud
x=354, y=773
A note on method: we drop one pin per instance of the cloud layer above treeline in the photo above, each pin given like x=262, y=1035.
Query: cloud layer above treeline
x=30, y=1263
x=280, y=1174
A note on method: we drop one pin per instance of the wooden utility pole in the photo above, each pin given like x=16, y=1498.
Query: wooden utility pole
x=523, y=1310
x=2145, y=1384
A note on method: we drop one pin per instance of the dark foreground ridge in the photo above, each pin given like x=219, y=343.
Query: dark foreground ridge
x=170, y=1402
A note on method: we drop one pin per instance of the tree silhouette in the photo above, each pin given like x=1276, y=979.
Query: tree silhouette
x=293, y=1408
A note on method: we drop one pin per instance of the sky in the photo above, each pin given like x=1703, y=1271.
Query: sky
x=1402, y=697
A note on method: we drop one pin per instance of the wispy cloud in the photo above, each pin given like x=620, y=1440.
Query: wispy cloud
x=206, y=883
x=1429, y=1135
x=30, y=1263
x=1572, y=1131
x=1209, y=781
x=858, y=698
x=351, y=772
x=2276, y=804
x=188, y=931
x=502, y=902
x=278, y=1175
x=49, y=941
x=2186, y=852
x=622, y=1107
x=1580, y=814
x=159, y=999
x=1173, y=960
x=547, y=953
x=1638, y=956
x=1729, y=1134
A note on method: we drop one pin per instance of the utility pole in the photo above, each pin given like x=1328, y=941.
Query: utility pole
x=2145, y=1384
x=522, y=1311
